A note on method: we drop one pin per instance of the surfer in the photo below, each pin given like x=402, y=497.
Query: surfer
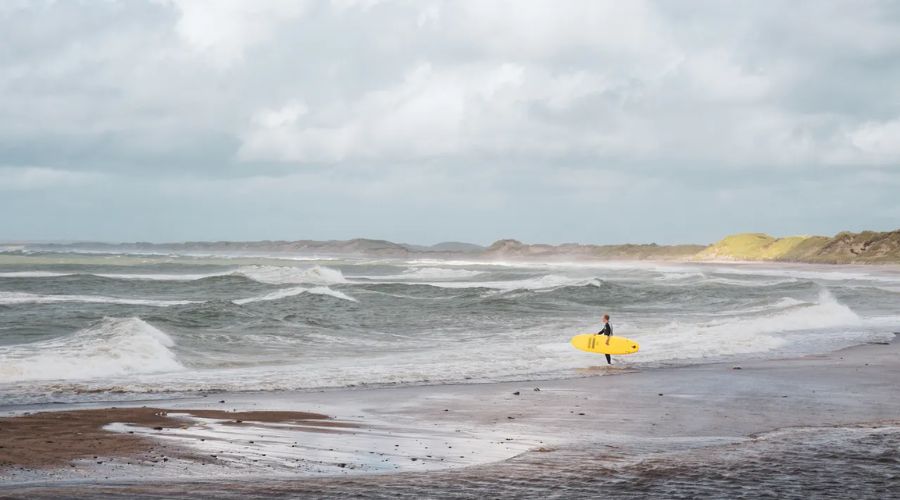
x=606, y=330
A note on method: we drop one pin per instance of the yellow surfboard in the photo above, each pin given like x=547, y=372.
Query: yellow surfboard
x=597, y=343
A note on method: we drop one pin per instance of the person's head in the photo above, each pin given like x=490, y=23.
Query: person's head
x=606, y=318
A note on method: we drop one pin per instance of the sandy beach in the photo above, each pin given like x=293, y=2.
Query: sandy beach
x=770, y=423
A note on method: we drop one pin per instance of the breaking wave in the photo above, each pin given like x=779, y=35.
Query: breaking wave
x=33, y=274
x=112, y=347
x=12, y=298
x=826, y=320
x=547, y=282
x=429, y=273
x=277, y=275
x=271, y=275
x=293, y=291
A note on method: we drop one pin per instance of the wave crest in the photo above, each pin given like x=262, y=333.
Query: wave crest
x=12, y=298
x=546, y=282
x=293, y=291
x=112, y=347
x=757, y=333
x=278, y=275
x=429, y=273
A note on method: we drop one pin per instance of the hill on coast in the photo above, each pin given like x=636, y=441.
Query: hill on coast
x=514, y=249
x=867, y=247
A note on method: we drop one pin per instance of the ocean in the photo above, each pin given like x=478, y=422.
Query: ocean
x=91, y=326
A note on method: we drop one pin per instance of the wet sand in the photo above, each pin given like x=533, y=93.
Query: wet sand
x=826, y=420
x=57, y=438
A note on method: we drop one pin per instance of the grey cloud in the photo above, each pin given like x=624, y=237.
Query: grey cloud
x=343, y=119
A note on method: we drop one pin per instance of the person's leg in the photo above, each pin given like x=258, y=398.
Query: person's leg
x=608, y=360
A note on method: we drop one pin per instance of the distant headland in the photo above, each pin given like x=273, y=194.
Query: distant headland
x=866, y=247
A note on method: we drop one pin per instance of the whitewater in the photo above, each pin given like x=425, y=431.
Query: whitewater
x=130, y=327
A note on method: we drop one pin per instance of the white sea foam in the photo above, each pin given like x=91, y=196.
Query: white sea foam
x=121, y=276
x=689, y=278
x=293, y=291
x=676, y=276
x=162, y=277
x=826, y=319
x=287, y=275
x=750, y=282
x=427, y=273
x=782, y=303
x=826, y=312
x=810, y=272
x=110, y=348
x=540, y=352
x=13, y=298
x=33, y=274
x=449, y=278
x=547, y=282
x=274, y=275
x=757, y=324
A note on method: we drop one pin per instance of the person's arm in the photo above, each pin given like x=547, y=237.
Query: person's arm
x=608, y=330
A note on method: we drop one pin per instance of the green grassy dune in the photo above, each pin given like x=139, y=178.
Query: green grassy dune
x=844, y=248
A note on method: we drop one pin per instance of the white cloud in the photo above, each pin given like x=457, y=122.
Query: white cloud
x=433, y=112
x=281, y=117
x=550, y=81
x=878, y=140
x=557, y=99
x=41, y=178
x=716, y=76
x=223, y=29
x=528, y=81
x=541, y=29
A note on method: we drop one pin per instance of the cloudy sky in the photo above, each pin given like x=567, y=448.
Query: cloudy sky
x=424, y=121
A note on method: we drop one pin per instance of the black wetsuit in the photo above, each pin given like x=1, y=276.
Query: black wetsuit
x=607, y=330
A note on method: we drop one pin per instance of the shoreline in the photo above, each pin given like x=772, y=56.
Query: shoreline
x=497, y=424
x=82, y=434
